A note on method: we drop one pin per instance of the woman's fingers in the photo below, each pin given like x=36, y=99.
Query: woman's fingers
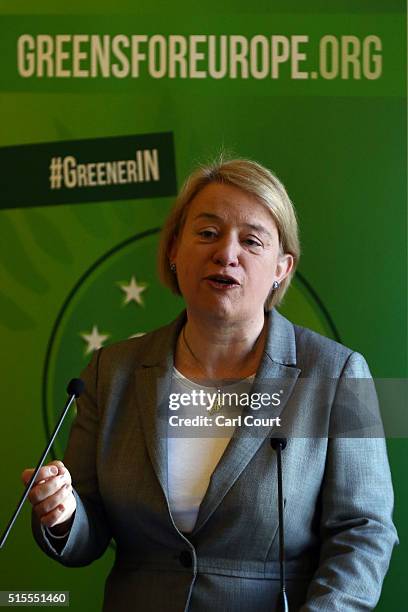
x=47, y=471
x=51, y=495
x=46, y=489
x=53, y=468
x=57, y=508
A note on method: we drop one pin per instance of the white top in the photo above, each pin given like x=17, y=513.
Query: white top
x=191, y=461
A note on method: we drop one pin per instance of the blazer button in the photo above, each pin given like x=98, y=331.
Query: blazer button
x=185, y=558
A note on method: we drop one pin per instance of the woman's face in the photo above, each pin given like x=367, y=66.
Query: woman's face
x=227, y=255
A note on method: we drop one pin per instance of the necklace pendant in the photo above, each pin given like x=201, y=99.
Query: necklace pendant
x=216, y=407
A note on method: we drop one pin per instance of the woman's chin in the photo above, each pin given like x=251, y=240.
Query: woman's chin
x=222, y=310
x=207, y=308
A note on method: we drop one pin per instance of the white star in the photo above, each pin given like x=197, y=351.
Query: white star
x=133, y=291
x=95, y=340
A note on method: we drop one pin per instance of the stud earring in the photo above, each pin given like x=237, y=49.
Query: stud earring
x=173, y=267
x=275, y=285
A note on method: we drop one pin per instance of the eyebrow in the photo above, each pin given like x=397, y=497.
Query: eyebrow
x=257, y=228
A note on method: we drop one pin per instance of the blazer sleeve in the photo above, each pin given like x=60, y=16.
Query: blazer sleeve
x=356, y=528
x=90, y=534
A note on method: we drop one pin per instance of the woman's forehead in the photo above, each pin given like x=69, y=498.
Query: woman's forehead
x=228, y=204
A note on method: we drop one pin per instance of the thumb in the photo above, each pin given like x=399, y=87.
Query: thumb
x=26, y=475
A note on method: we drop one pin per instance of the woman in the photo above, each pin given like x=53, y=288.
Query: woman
x=195, y=518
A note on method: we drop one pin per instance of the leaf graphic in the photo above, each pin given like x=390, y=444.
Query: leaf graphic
x=19, y=265
x=127, y=212
x=13, y=316
x=48, y=236
x=92, y=218
x=63, y=132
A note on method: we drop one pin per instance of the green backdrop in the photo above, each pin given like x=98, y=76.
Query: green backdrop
x=337, y=141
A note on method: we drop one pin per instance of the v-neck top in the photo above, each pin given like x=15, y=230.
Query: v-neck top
x=192, y=460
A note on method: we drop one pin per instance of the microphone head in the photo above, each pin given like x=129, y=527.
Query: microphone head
x=275, y=442
x=76, y=386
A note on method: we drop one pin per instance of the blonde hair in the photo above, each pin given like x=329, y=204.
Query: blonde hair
x=256, y=180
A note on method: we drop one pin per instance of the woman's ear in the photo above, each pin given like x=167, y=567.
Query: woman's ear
x=284, y=266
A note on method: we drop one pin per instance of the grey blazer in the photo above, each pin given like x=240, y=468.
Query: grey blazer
x=338, y=491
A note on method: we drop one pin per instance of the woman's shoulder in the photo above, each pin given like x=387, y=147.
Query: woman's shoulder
x=315, y=351
x=310, y=340
x=149, y=348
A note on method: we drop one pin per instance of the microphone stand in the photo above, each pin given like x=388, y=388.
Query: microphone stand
x=279, y=444
x=74, y=389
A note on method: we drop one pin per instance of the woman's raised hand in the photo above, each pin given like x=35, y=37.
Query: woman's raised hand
x=51, y=496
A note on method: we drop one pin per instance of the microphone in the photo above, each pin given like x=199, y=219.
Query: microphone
x=278, y=445
x=75, y=387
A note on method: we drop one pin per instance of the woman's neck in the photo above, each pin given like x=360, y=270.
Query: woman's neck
x=216, y=350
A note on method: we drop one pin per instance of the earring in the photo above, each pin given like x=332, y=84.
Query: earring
x=173, y=267
x=275, y=285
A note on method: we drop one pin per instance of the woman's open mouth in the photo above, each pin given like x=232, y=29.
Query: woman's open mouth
x=221, y=281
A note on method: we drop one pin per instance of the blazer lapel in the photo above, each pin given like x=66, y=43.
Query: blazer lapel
x=278, y=362
x=151, y=385
x=152, y=389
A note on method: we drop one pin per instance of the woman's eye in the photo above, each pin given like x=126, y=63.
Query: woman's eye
x=252, y=242
x=207, y=233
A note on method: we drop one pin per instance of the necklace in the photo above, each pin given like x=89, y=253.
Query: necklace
x=216, y=407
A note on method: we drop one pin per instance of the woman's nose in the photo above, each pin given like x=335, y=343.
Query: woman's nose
x=227, y=252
